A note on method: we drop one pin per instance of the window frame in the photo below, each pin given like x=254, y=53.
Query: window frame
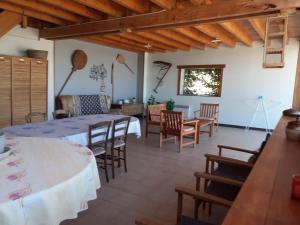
x=207, y=66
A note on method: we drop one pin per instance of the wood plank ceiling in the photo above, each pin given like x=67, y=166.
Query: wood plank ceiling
x=48, y=14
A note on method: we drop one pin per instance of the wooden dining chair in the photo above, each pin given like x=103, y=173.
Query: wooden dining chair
x=172, y=123
x=187, y=220
x=97, y=142
x=36, y=117
x=153, y=116
x=119, y=143
x=208, y=111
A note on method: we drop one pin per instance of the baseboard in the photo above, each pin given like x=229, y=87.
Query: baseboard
x=243, y=127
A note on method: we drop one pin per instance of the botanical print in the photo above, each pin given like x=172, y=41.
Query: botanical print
x=99, y=73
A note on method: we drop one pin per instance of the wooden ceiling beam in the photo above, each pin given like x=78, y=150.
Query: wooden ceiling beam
x=216, y=31
x=197, y=35
x=201, y=2
x=126, y=41
x=8, y=20
x=162, y=39
x=110, y=43
x=165, y=4
x=176, y=36
x=76, y=8
x=31, y=13
x=106, y=6
x=259, y=25
x=239, y=31
x=43, y=8
x=146, y=41
x=137, y=6
x=219, y=11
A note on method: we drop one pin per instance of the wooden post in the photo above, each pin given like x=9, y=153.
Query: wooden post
x=296, y=100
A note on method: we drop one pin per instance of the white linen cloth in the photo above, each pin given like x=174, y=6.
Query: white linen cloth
x=44, y=181
x=74, y=129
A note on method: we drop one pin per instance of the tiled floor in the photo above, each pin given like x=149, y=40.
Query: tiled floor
x=148, y=187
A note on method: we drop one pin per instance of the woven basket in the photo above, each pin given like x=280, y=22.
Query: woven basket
x=39, y=54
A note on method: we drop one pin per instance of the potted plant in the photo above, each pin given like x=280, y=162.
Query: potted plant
x=170, y=104
x=151, y=100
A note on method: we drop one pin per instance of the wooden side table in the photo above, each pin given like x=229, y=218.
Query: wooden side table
x=131, y=109
x=203, y=123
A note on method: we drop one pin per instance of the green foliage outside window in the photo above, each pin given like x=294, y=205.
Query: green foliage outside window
x=201, y=81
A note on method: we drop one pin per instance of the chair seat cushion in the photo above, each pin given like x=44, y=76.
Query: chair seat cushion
x=190, y=221
x=223, y=190
x=119, y=143
x=98, y=150
x=232, y=171
x=188, y=128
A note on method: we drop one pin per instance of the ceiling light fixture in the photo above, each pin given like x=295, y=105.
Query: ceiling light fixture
x=148, y=46
x=216, y=40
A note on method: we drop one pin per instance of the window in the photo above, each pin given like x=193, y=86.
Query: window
x=200, y=80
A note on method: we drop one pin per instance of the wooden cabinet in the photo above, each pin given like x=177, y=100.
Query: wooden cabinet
x=130, y=109
x=20, y=89
x=38, y=87
x=23, y=88
x=5, y=91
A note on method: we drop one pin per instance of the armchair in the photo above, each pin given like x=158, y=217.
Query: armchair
x=208, y=111
x=172, y=123
x=153, y=116
x=182, y=219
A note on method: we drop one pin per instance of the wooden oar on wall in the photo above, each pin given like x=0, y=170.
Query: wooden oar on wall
x=79, y=61
x=120, y=59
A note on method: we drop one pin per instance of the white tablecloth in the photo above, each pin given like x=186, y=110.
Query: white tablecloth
x=44, y=181
x=74, y=129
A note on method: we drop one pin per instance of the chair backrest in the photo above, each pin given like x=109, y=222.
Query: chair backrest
x=171, y=122
x=36, y=117
x=209, y=110
x=153, y=112
x=120, y=128
x=254, y=158
x=98, y=134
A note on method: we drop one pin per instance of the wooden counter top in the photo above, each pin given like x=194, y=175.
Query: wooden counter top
x=265, y=196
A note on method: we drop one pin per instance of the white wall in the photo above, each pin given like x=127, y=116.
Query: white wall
x=80, y=83
x=243, y=81
x=18, y=40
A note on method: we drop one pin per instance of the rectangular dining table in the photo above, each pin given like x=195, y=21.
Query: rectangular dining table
x=74, y=129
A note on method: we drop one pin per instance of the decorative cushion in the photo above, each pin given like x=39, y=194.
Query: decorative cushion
x=103, y=103
x=90, y=104
x=76, y=106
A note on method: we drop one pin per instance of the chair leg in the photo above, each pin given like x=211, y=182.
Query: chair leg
x=125, y=161
x=180, y=143
x=160, y=139
x=105, y=168
x=209, y=209
x=119, y=157
x=196, y=209
x=146, y=131
x=113, y=163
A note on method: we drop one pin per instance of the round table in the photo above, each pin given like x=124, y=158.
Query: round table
x=44, y=181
